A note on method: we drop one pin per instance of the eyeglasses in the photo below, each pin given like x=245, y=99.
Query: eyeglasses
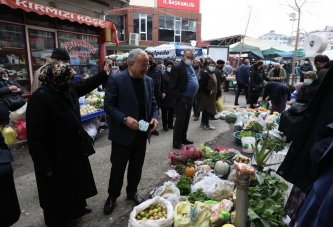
x=142, y=65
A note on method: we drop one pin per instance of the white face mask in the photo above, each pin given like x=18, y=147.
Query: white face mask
x=308, y=81
x=7, y=78
x=169, y=69
x=306, y=62
x=188, y=62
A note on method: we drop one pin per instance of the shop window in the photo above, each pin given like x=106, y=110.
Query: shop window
x=76, y=27
x=40, y=20
x=13, y=53
x=189, y=29
x=166, y=30
x=9, y=14
x=173, y=29
x=83, y=51
x=143, y=25
x=119, y=22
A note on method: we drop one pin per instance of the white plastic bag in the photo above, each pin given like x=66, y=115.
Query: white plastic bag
x=91, y=127
x=205, y=184
x=132, y=222
x=166, y=190
x=221, y=190
x=20, y=113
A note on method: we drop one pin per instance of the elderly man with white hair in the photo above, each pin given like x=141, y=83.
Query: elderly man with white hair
x=227, y=68
x=277, y=74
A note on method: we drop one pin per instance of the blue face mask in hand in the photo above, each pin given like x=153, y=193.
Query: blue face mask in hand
x=143, y=126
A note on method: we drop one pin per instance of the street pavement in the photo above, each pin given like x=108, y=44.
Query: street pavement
x=156, y=164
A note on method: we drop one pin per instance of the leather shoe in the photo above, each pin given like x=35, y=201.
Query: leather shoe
x=171, y=127
x=186, y=141
x=136, y=198
x=87, y=209
x=165, y=129
x=109, y=206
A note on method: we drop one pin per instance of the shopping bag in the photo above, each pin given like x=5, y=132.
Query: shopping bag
x=219, y=104
x=20, y=113
x=133, y=222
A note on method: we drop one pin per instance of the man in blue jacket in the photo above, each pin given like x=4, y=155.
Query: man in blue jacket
x=129, y=98
x=242, y=78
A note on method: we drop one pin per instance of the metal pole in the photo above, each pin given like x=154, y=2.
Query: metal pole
x=242, y=183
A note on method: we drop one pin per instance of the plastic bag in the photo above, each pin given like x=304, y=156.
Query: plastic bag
x=199, y=175
x=173, y=174
x=91, y=127
x=179, y=157
x=219, y=104
x=221, y=148
x=133, y=222
x=182, y=216
x=166, y=190
x=221, y=190
x=21, y=130
x=232, y=176
x=191, y=152
x=20, y=113
x=206, y=184
x=241, y=120
x=244, y=169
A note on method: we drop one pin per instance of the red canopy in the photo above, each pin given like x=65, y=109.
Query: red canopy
x=41, y=9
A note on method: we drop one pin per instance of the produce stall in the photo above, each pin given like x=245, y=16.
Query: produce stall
x=222, y=186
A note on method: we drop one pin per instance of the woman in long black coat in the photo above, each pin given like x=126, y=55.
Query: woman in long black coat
x=9, y=205
x=63, y=173
x=256, y=83
x=167, y=102
x=299, y=165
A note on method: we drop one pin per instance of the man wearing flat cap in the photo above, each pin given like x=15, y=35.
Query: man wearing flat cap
x=58, y=54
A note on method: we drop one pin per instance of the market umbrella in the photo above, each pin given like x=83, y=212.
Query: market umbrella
x=172, y=50
x=121, y=57
x=247, y=49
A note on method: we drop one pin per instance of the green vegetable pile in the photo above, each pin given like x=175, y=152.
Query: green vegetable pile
x=206, y=151
x=217, y=156
x=244, y=134
x=199, y=195
x=231, y=118
x=184, y=185
x=266, y=201
x=271, y=143
x=98, y=104
x=254, y=126
x=180, y=169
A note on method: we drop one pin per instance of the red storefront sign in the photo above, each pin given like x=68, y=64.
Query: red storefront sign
x=41, y=9
x=78, y=42
x=186, y=5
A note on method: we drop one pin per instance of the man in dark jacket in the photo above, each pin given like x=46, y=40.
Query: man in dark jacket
x=58, y=145
x=242, y=78
x=322, y=63
x=184, y=84
x=307, y=66
x=129, y=101
x=318, y=205
x=155, y=72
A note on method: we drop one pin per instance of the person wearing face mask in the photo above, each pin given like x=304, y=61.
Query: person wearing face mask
x=167, y=107
x=9, y=89
x=256, y=83
x=323, y=64
x=155, y=72
x=196, y=101
x=57, y=144
x=307, y=66
x=184, y=84
x=210, y=89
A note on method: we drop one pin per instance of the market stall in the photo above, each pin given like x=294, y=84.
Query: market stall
x=223, y=186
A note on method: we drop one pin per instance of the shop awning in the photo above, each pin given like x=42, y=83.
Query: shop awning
x=41, y=9
x=244, y=48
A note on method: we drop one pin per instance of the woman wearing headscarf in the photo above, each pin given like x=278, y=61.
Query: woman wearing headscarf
x=9, y=205
x=210, y=88
x=57, y=144
x=256, y=83
x=305, y=95
x=278, y=94
x=9, y=89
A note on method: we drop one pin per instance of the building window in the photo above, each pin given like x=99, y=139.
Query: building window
x=173, y=29
x=40, y=20
x=119, y=22
x=143, y=25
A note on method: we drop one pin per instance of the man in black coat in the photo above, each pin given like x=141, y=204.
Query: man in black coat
x=130, y=103
x=57, y=144
x=184, y=84
x=306, y=67
x=155, y=72
x=300, y=162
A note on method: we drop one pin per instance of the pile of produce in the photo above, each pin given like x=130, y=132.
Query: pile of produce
x=274, y=143
x=95, y=99
x=253, y=126
x=154, y=212
x=87, y=109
